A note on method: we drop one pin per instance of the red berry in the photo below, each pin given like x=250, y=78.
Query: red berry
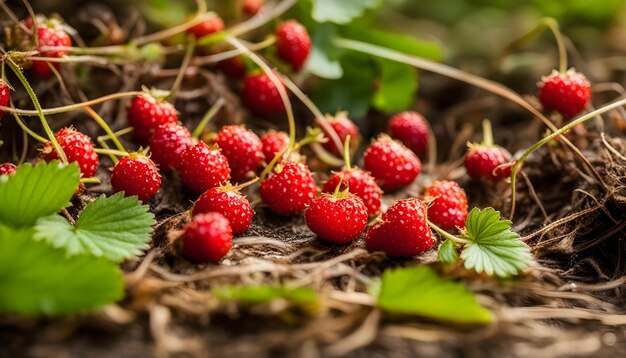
x=136, y=175
x=5, y=93
x=251, y=7
x=449, y=206
x=7, y=168
x=293, y=43
x=411, y=129
x=49, y=34
x=167, y=143
x=344, y=127
x=233, y=67
x=207, y=237
x=392, y=164
x=202, y=168
x=261, y=96
x=360, y=183
x=567, y=93
x=207, y=27
x=402, y=230
x=77, y=147
x=146, y=114
x=229, y=202
x=339, y=219
x=242, y=148
x=481, y=162
x=288, y=189
x=273, y=143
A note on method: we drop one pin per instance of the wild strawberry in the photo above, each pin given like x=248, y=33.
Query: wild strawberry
x=136, y=175
x=5, y=93
x=50, y=33
x=402, y=230
x=288, y=189
x=448, y=208
x=228, y=201
x=251, y=7
x=411, y=129
x=242, y=148
x=293, y=43
x=567, y=93
x=360, y=183
x=207, y=27
x=7, y=168
x=207, y=237
x=273, y=143
x=485, y=160
x=338, y=218
x=392, y=164
x=146, y=114
x=167, y=143
x=344, y=127
x=261, y=96
x=233, y=67
x=77, y=147
x=202, y=168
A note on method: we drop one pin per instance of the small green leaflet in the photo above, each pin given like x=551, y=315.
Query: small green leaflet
x=493, y=248
x=340, y=12
x=38, y=279
x=421, y=291
x=447, y=252
x=320, y=63
x=115, y=228
x=36, y=191
x=397, y=86
x=299, y=296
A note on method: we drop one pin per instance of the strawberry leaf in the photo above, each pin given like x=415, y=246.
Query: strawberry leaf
x=340, y=12
x=36, y=191
x=421, y=291
x=492, y=247
x=115, y=228
x=321, y=63
x=37, y=279
x=447, y=252
x=397, y=86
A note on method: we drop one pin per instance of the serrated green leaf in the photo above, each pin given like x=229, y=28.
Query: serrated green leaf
x=396, y=88
x=321, y=62
x=37, y=279
x=115, y=228
x=447, y=252
x=263, y=294
x=421, y=291
x=340, y=12
x=492, y=247
x=36, y=191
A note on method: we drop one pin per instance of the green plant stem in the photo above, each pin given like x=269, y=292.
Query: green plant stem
x=446, y=234
x=111, y=152
x=26, y=129
x=207, y=117
x=92, y=180
x=487, y=133
x=183, y=67
x=553, y=25
x=71, y=107
x=346, y=153
x=103, y=124
x=42, y=118
x=222, y=56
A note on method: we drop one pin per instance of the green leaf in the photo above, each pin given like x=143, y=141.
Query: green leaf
x=421, y=291
x=115, y=228
x=493, y=248
x=36, y=191
x=340, y=12
x=447, y=252
x=394, y=41
x=321, y=62
x=37, y=279
x=263, y=294
x=397, y=86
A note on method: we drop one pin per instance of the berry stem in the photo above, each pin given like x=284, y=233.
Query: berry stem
x=207, y=117
x=42, y=118
x=248, y=183
x=346, y=153
x=92, y=180
x=108, y=151
x=102, y=123
x=446, y=234
x=183, y=67
x=553, y=25
x=487, y=133
x=222, y=56
x=71, y=107
x=26, y=129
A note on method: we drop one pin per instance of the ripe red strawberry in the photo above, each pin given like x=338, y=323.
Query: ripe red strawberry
x=242, y=148
x=202, y=168
x=7, y=168
x=392, y=164
x=146, y=114
x=77, y=147
x=293, y=43
x=411, y=129
x=207, y=237
x=261, y=96
x=288, y=189
x=273, y=143
x=228, y=201
x=449, y=206
x=207, y=27
x=481, y=162
x=360, y=183
x=567, y=93
x=338, y=218
x=136, y=175
x=251, y=7
x=402, y=230
x=233, y=67
x=5, y=95
x=50, y=33
x=344, y=127
x=167, y=144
